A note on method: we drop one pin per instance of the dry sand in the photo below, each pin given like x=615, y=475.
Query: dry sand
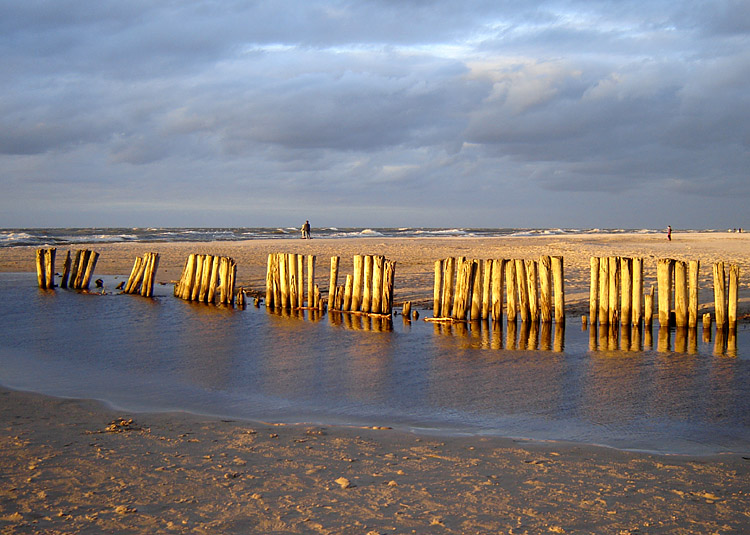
x=69, y=466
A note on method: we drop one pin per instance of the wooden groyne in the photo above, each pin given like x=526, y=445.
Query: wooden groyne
x=141, y=280
x=616, y=293
x=474, y=289
x=76, y=274
x=368, y=290
x=207, y=279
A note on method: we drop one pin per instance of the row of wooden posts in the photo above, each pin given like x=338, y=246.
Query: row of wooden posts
x=474, y=289
x=141, y=280
x=76, y=273
x=616, y=293
x=368, y=290
x=209, y=279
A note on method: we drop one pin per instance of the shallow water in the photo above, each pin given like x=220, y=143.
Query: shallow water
x=670, y=392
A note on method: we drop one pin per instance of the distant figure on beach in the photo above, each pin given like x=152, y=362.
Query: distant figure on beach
x=306, y=230
x=669, y=232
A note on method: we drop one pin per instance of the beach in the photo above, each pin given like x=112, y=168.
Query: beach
x=79, y=466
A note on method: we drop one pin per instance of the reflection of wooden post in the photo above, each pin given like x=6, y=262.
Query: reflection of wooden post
x=367, y=282
x=626, y=290
x=734, y=279
x=448, y=281
x=680, y=293
x=377, y=284
x=359, y=267
x=594, y=290
x=664, y=270
x=497, y=289
x=603, y=291
x=532, y=283
x=333, y=281
x=693, y=288
x=558, y=279
x=648, y=308
x=438, y=286
x=510, y=291
x=486, y=288
x=476, y=291
x=720, y=304
x=637, y=310
x=523, y=290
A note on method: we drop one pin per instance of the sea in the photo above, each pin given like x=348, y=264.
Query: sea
x=666, y=391
x=52, y=237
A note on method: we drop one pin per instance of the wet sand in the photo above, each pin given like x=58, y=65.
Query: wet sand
x=72, y=466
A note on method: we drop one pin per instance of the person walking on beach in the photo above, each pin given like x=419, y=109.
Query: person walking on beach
x=306, y=230
x=669, y=232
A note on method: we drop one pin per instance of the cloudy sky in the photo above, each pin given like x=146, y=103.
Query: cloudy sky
x=494, y=113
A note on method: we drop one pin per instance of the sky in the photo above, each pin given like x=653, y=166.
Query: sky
x=381, y=113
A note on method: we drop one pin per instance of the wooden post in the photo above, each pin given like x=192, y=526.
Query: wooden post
x=269, y=281
x=284, y=279
x=604, y=291
x=448, y=288
x=720, y=303
x=693, y=288
x=232, y=276
x=347, y=294
x=74, y=269
x=200, y=260
x=83, y=262
x=333, y=282
x=300, y=281
x=486, y=288
x=406, y=310
x=594, y=290
x=664, y=272
x=498, y=274
x=389, y=274
x=90, y=265
x=436, y=289
x=734, y=280
x=614, y=289
x=152, y=275
x=359, y=267
x=464, y=289
x=132, y=279
x=510, y=291
x=458, y=292
x=648, y=308
x=637, y=310
x=293, y=280
x=532, y=284
x=49, y=267
x=680, y=293
x=241, y=298
x=66, y=271
x=214, y=281
x=707, y=322
x=311, y=300
x=378, y=263
x=476, y=291
x=523, y=290
x=558, y=278
x=367, y=282
x=179, y=288
x=626, y=290
x=40, y=269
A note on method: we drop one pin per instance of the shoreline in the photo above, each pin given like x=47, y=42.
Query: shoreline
x=80, y=467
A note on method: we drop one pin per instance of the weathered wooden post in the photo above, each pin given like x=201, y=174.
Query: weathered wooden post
x=389, y=274
x=284, y=279
x=532, y=283
x=664, y=271
x=333, y=282
x=348, y=293
x=40, y=270
x=614, y=289
x=648, y=308
x=367, y=291
x=269, y=281
x=734, y=280
x=49, y=267
x=66, y=271
x=637, y=310
x=437, y=287
x=464, y=289
x=458, y=292
x=510, y=291
x=476, y=291
x=213, y=284
x=448, y=288
x=545, y=288
x=626, y=290
x=680, y=294
x=693, y=288
x=594, y=290
x=498, y=273
x=558, y=278
x=378, y=265
x=486, y=288
x=720, y=292
x=604, y=291
x=359, y=268
x=406, y=310
x=523, y=290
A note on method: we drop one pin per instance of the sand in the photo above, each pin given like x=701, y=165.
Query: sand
x=72, y=466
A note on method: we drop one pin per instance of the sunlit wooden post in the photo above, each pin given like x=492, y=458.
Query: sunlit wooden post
x=558, y=280
x=648, y=308
x=486, y=288
x=377, y=284
x=332, y=282
x=734, y=280
x=448, y=287
x=664, y=271
x=594, y=290
x=680, y=293
x=49, y=268
x=614, y=289
x=532, y=288
x=476, y=291
x=637, y=310
x=523, y=290
x=438, y=286
x=367, y=283
x=40, y=271
x=498, y=274
x=66, y=271
x=359, y=268
x=626, y=290
x=213, y=284
x=510, y=291
x=693, y=289
x=311, y=301
x=720, y=292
